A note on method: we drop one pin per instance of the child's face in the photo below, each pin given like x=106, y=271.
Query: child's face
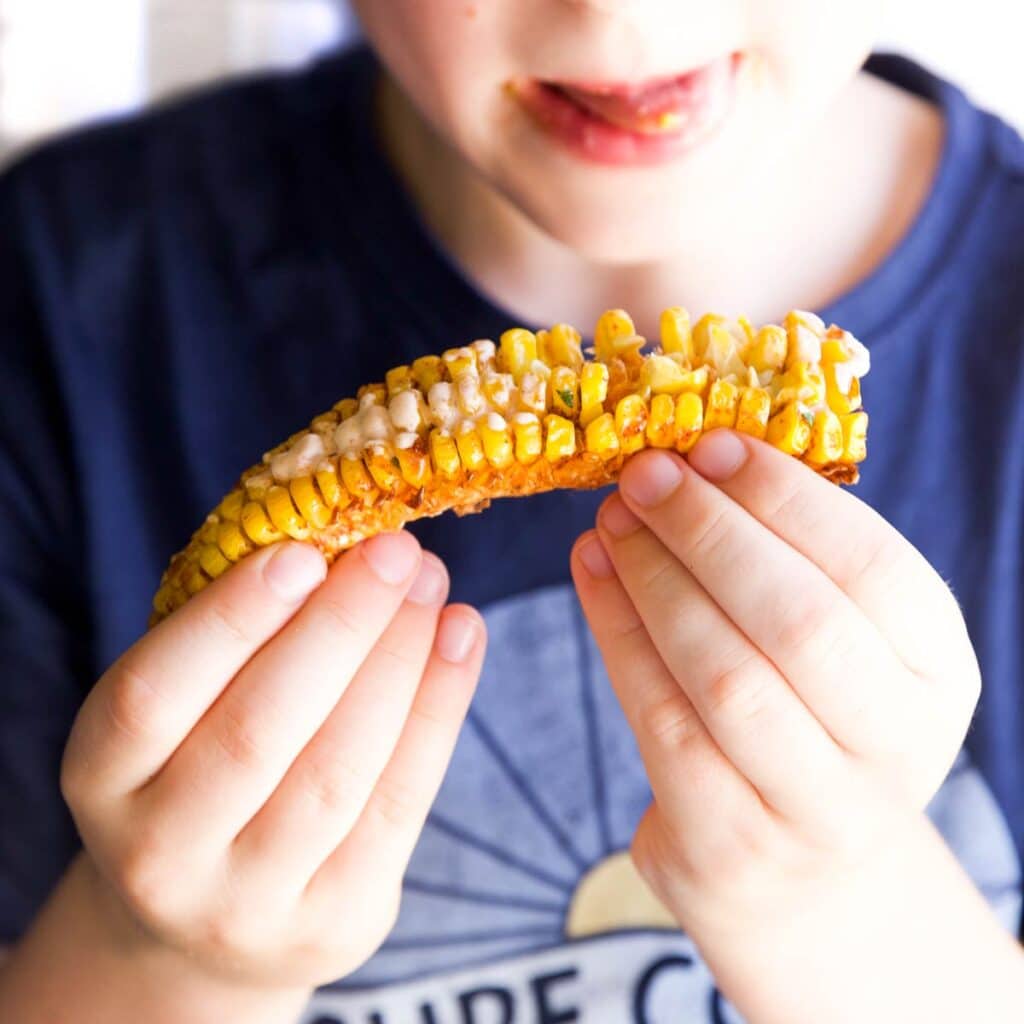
x=615, y=124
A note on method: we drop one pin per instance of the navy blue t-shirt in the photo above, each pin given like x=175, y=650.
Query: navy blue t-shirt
x=181, y=291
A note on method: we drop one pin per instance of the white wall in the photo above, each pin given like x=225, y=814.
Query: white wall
x=62, y=61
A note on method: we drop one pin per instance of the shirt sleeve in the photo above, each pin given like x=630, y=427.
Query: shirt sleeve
x=44, y=620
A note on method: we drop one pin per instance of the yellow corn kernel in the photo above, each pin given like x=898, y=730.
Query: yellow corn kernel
x=702, y=332
x=749, y=333
x=284, y=515
x=769, y=349
x=754, y=409
x=357, y=480
x=257, y=525
x=723, y=405
x=615, y=325
x=855, y=437
x=231, y=507
x=497, y=389
x=565, y=392
x=414, y=465
x=208, y=531
x=689, y=420
x=662, y=375
x=212, y=559
x=661, y=424
x=347, y=407
x=517, y=351
x=676, y=334
x=232, y=542
x=398, y=379
x=195, y=580
x=837, y=401
x=804, y=332
x=497, y=441
x=378, y=390
x=529, y=437
x=802, y=382
x=444, y=453
x=330, y=486
x=790, y=429
x=542, y=346
x=163, y=601
x=309, y=502
x=593, y=392
x=826, y=444
x=631, y=423
x=427, y=371
x=471, y=448
x=458, y=360
x=384, y=467
x=564, y=347
x=560, y=438
x=601, y=438
x=325, y=423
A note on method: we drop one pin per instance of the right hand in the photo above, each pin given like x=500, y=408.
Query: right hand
x=251, y=777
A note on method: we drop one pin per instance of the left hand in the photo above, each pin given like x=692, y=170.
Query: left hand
x=798, y=677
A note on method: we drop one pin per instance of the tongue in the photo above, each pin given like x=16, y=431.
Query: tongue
x=659, y=108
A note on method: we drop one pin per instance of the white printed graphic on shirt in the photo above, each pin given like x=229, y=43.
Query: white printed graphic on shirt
x=520, y=906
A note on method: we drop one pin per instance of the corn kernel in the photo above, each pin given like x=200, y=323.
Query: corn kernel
x=560, y=438
x=471, y=448
x=564, y=347
x=689, y=420
x=800, y=383
x=517, y=352
x=427, y=371
x=613, y=325
x=231, y=507
x=529, y=437
x=379, y=392
x=702, y=331
x=309, y=503
x=357, y=480
x=398, y=379
x=661, y=425
x=565, y=392
x=232, y=542
x=749, y=333
x=194, y=580
x=855, y=434
x=497, y=441
x=826, y=444
x=790, y=429
x=837, y=401
x=497, y=388
x=593, y=392
x=662, y=375
x=347, y=407
x=382, y=462
x=676, y=334
x=444, y=453
x=805, y=332
x=284, y=515
x=458, y=360
x=754, y=409
x=723, y=405
x=330, y=486
x=212, y=560
x=601, y=438
x=631, y=423
x=257, y=525
x=769, y=349
x=414, y=465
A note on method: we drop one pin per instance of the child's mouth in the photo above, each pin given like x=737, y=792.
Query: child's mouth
x=625, y=123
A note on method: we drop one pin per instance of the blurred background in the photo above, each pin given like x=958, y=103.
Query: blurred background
x=63, y=62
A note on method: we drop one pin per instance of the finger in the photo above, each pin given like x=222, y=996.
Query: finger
x=153, y=695
x=383, y=839
x=239, y=752
x=788, y=608
x=885, y=575
x=755, y=717
x=687, y=769
x=325, y=790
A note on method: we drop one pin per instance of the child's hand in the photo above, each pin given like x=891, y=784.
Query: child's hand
x=251, y=784
x=797, y=676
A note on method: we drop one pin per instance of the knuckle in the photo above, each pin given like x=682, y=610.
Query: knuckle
x=143, y=874
x=705, y=537
x=224, y=624
x=238, y=738
x=808, y=625
x=339, y=616
x=742, y=692
x=395, y=802
x=330, y=783
x=672, y=721
x=134, y=705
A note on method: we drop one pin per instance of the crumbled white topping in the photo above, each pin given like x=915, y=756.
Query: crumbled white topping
x=495, y=421
x=442, y=406
x=522, y=419
x=485, y=351
x=499, y=387
x=540, y=368
x=467, y=427
x=858, y=365
x=470, y=397
x=405, y=411
x=811, y=320
x=406, y=440
x=369, y=399
x=458, y=353
x=808, y=346
x=533, y=390
x=299, y=459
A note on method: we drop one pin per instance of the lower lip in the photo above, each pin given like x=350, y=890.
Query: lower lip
x=705, y=103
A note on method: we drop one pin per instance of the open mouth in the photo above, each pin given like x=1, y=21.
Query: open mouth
x=623, y=123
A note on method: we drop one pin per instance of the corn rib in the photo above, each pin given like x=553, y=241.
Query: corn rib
x=534, y=413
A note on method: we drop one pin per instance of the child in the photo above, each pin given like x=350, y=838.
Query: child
x=789, y=679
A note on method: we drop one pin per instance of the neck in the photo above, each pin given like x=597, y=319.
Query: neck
x=811, y=229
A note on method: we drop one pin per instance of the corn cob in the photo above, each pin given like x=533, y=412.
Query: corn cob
x=529, y=415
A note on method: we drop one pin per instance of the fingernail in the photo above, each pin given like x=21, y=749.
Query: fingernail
x=719, y=455
x=431, y=586
x=595, y=559
x=456, y=638
x=650, y=480
x=294, y=571
x=392, y=556
x=617, y=519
